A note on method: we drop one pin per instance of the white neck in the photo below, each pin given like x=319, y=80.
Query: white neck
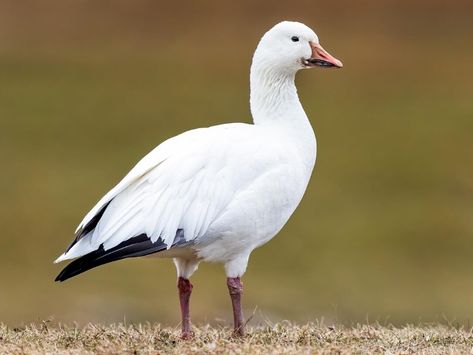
x=273, y=96
x=274, y=102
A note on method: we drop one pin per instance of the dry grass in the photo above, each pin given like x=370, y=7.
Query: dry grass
x=282, y=338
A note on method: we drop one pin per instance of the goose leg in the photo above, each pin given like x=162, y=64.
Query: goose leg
x=235, y=288
x=185, y=289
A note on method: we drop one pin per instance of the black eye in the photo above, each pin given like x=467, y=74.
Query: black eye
x=295, y=39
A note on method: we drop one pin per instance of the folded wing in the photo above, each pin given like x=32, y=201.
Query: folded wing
x=175, y=192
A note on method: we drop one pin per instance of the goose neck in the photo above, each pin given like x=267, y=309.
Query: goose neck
x=273, y=96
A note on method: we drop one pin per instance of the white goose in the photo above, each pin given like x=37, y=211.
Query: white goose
x=215, y=194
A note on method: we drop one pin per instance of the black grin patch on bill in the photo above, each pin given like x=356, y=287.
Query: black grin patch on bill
x=320, y=63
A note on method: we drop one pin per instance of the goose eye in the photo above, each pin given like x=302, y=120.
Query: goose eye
x=295, y=39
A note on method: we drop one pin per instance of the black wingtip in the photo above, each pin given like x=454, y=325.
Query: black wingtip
x=60, y=278
x=78, y=266
x=140, y=245
x=69, y=271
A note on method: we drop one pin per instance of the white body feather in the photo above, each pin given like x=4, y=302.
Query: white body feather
x=230, y=187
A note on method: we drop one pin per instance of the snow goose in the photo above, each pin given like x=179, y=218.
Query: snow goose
x=215, y=194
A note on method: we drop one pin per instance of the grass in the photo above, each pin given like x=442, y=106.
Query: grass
x=281, y=338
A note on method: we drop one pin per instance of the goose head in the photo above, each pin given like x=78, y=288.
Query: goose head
x=281, y=53
x=291, y=46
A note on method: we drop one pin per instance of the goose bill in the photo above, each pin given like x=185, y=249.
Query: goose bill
x=321, y=58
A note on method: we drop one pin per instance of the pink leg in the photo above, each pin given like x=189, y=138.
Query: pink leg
x=235, y=288
x=185, y=290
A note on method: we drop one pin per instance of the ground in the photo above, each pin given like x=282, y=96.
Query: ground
x=282, y=338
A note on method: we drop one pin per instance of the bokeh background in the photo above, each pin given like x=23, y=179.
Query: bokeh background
x=385, y=231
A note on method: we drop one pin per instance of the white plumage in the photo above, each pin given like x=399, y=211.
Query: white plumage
x=217, y=193
x=195, y=181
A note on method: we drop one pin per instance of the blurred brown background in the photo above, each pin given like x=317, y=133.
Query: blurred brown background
x=385, y=230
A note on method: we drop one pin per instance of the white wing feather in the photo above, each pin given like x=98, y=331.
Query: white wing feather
x=181, y=184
